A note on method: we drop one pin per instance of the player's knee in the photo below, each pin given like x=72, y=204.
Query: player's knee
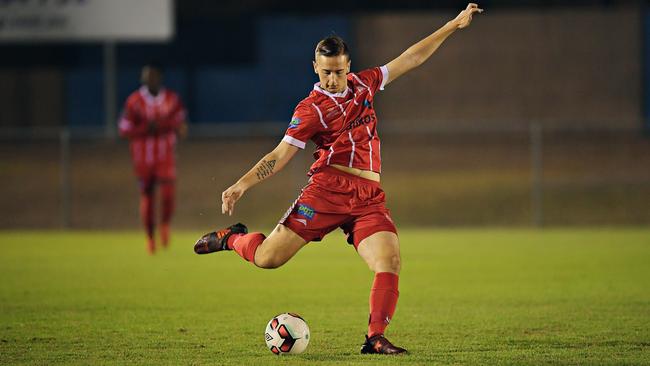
x=390, y=263
x=394, y=263
x=268, y=260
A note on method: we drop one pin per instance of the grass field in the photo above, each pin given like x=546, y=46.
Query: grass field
x=467, y=297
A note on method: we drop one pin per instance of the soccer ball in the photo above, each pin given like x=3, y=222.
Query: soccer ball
x=287, y=333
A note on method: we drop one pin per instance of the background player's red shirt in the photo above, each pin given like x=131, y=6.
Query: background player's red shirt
x=152, y=147
x=344, y=125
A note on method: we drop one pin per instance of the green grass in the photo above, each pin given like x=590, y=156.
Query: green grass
x=467, y=297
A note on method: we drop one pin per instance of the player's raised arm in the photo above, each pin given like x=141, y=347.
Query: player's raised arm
x=415, y=55
x=270, y=164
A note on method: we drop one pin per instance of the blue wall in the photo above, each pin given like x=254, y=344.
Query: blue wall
x=260, y=77
x=646, y=69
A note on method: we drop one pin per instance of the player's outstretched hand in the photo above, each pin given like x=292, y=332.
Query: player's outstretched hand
x=229, y=197
x=465, y=17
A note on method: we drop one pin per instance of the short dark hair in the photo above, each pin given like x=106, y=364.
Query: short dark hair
x=332, y=46
x=155, y=65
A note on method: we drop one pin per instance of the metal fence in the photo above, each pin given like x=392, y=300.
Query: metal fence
x=529, y=175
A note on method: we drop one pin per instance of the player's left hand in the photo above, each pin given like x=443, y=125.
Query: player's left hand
x=229, y=197
x=465, y=17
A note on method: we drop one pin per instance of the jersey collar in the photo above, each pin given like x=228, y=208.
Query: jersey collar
x=150, y=99
x=331, y=95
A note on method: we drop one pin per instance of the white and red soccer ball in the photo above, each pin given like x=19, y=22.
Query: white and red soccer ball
x=287, y=333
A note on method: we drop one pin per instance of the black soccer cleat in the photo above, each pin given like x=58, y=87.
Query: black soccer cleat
x=378, y=344
x=218, y=240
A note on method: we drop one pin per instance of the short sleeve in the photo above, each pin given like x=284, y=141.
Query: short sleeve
x=177, y=115
x=374, y=78
x=180, y=113
x=129, y=124
x=303, y=126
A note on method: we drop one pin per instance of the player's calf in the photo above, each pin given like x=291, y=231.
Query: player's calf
x=269, y=261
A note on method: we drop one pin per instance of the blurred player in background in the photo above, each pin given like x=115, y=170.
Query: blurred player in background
x=153, y=117
x=344, y=189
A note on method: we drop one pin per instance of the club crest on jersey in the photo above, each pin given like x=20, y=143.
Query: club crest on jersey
x=295, y=121
x=366, y=103
x=306, y=211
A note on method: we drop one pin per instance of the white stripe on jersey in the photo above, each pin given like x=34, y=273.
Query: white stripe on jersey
x=384, y=76
x=330, y=155
x=361, y=82
x=370, y=145
x=379, y=151
x=293, y=141
x=352, y=153
x=320, y=115
x=337, y=104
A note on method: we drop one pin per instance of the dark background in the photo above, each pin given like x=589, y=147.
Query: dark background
x=532, y=116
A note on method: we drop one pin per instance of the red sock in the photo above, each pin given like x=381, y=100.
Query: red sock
x=246, y=244
x=383, y=299
x=164, y=234
x=167, y=192
x=146, y=213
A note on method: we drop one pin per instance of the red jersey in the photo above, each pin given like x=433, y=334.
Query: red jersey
x=151, y=123
x=343, y=125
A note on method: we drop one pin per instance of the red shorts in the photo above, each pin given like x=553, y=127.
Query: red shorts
x=154, y=157
x=158, y=170
x=335, y=199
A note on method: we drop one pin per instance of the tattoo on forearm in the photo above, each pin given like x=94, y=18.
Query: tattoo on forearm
x=265, y=169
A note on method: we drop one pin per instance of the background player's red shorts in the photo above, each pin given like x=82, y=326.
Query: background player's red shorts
x=335, y=199
x=154, y=157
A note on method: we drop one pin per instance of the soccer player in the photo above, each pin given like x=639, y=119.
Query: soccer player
x=343, y=189
x=153, y=117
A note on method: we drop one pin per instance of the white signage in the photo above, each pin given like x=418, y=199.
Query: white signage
x=86, y=20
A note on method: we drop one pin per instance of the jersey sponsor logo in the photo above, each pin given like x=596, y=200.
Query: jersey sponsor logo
x=306, y=211
x=295, y=121
x=361, y=121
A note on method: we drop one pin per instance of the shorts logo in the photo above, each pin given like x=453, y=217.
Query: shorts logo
x=302, y=221
x=295, y=121
x=306, y=211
